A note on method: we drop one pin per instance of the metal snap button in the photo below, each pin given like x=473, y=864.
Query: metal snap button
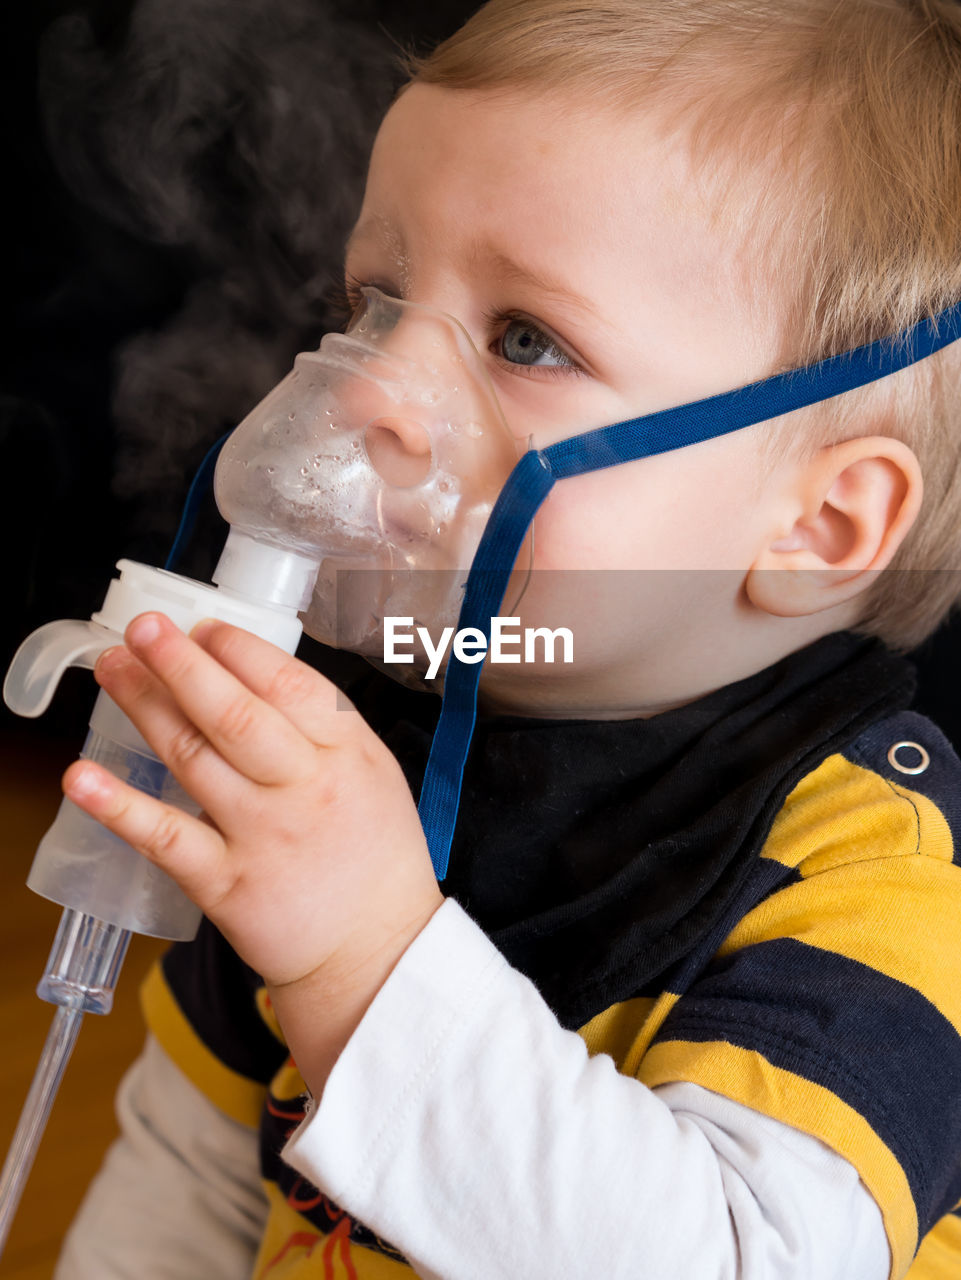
x=922, y=762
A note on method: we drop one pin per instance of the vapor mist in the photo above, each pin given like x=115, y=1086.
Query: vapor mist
x=235, y=132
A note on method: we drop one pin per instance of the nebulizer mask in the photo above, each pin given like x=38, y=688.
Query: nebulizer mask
x=376, y=463
x=378, y=479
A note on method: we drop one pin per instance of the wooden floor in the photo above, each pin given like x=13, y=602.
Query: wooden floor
x=82, y=1122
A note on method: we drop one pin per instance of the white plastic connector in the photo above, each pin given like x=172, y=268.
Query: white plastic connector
x=43, y=657
x=185, y=602
x=256, y=570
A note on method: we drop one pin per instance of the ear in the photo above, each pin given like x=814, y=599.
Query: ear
x=846, y=512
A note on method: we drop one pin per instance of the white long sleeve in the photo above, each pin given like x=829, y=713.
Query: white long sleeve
x=179, y=1192
x=464, y=1125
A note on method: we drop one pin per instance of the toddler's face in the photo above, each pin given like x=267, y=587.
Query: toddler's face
x=580, y=250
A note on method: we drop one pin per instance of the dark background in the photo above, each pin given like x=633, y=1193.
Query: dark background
x=180, y=179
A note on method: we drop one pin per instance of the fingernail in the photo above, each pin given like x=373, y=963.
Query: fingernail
x=84, y=783
x=113, y=659
x=202, y=630
x=144, y=630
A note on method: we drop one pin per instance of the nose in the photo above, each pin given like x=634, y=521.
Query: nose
x=399, y=450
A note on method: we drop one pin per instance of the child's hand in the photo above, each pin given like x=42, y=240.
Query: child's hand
x=309, y=857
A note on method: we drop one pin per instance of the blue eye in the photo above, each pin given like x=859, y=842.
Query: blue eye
x=522, y=342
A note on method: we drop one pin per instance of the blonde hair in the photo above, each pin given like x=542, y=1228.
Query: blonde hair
x=852, y=109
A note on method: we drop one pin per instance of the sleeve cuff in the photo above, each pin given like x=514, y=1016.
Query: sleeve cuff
x=383, y=1071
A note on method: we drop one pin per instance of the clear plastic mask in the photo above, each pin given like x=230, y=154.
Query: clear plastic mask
x=380, y=456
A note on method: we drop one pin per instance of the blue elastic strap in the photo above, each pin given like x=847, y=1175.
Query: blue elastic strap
x=531, y=481
x=203, y=479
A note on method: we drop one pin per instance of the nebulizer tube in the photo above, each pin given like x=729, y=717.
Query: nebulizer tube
x=375, y=463
x=91, y=951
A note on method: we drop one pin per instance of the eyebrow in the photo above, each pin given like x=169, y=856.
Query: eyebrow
x=514, y=272
x=480, y=253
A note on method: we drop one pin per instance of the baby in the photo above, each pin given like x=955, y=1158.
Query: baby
x=688, y=1005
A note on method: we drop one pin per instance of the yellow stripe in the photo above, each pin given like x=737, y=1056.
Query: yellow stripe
x=236, y=1095
x=939, y=1257
x=749, y=1078
x=871, y=912
x=287, y=1083
x=625, y=1030
x=840, y=813
x=642, y=1043
x=614, y=1030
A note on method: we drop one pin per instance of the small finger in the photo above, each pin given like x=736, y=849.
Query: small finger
x=253, y=737
x=194, y=762
x=191, y=851
x=311, y=702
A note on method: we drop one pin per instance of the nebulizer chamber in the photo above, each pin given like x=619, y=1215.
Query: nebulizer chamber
x=357, y=489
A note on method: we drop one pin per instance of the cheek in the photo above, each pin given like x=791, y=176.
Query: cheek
x=567, y=534
x=667, y=512
x=608, y=519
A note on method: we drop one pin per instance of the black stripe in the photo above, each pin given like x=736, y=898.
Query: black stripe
x=765, y=878
x=215, y=991
x=789, y=876
x=876, y=1043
